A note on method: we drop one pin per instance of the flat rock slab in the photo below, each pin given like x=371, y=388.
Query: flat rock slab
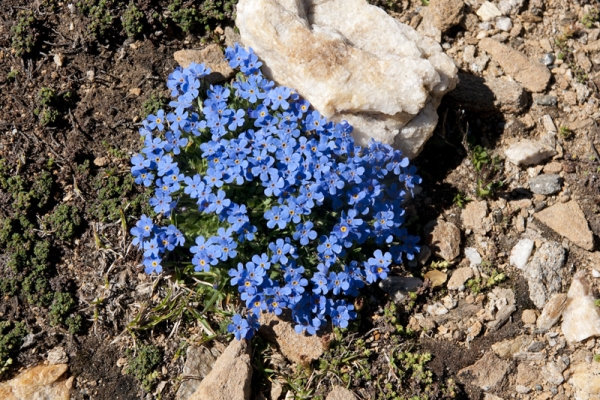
x=212, y=56
x=528, y=152
x=297, y=348
x=231, y=376
x=486, y=373
x=39, y=382
x=551, y=312
x=585, y=379
x=533, y=75
x=568, y=220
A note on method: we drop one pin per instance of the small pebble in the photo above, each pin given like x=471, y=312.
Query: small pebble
x=548, y=59
x=504, y=24
x=546, y=100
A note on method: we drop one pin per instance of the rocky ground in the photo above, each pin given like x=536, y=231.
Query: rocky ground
x=500, y=304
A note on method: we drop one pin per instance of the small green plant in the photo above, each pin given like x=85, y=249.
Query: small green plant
x=154, y=103
x=488, y=170
x=24, y=34
x=48, y=117
x=411, y=371
x=392, y=5
x=597, y=357
x=204, y=16
x=597, y=302
x=143, y=364
x=64, y=221
x=132, y=20
x=11, y=337
x=99, y=14
x=61, y=307
x=46, y=96
x=565, y=132
x=461, y=199
x=590, y=18
x=12, y=75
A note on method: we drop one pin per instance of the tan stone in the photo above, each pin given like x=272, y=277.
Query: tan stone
x=39, y=382
x=552, y=311
x=534, y=76
x=459, y=277
x=231, y=376
x=474, y=217
x=212, y=56
x=529, y=317
x=585, y=379
x=295, y=347
x=553, y=167
x=568, y=220
x=488, y=372
x=443, y=238
x=437, y=278
x=340, y=393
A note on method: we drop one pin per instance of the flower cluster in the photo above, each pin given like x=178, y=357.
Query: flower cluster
x=299, y=216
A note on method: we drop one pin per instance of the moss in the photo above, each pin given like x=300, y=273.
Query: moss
x=11, y=337
x=99, y=17
x=64, y=221
x=61, y=307
x=46, y=96
x=153, y=104
x=24, y=33
x=132, y=20
x=204, y=15
x=143, y=364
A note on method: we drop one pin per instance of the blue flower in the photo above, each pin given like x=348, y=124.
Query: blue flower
x=305, y=233
x=240, y=327
x=274, y=218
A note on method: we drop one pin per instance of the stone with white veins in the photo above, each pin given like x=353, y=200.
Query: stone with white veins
x=520, y=253
x=581, y=318
x=331, y=52
x=543, y=272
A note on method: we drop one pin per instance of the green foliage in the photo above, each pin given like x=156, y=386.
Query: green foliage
x=488, y=170
x=24, y=34
x=143, y=364
x=590, y=18
x=11, y=337
x=61, y=307
x=64, y=221
x=154, y=103
x=461, y=199
x=12, y=75
x=111, y=188
x=410, y=369
x=477, y=285
x=565, y=132
x=132, y=20
x=204, y=15
x=98, y=14
x=46, y=96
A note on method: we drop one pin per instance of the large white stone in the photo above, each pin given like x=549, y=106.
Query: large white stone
x=521, y=252
x=353, y=62
x=581, y=318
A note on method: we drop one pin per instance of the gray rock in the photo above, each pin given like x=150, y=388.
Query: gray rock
x=398, y=287
x=546, y=100
x=199, y=362
x=543, y=272
x=546, y=184
x=504, y=24
x=488, y=94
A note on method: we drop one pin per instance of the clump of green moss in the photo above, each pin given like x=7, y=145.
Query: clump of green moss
x=64, y=221
x=203, y=15
x=24, y=34
x=99, y=15
x=11, y=337
x=143, y=364
x=132, y=20
x=154, y=103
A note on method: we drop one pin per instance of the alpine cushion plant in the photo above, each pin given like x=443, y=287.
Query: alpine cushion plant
x=262, y=192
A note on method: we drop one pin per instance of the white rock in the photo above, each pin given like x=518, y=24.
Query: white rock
x=595, y=273
x=473, y=255
x=436, y=309
x=527, y=152
x=331, y=52
x=581, y=319
x=548, y=123
x=507, y=7
x=488, y=11
x=504, y=24
x=521, y=252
